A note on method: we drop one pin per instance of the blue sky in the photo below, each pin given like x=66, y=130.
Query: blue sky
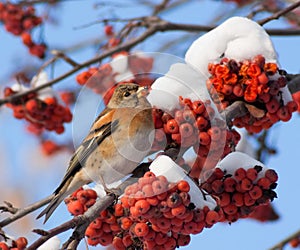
x=32, y=176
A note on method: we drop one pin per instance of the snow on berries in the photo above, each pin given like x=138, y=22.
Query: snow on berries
x=42, y=110
x=259, y=84
x=240, y=184
x=153, y=213
x=195, y=124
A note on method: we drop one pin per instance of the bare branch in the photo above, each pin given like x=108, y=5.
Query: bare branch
x=84, y=219
x=63, y=56
x=158, y=8
x=154, y=24
x=294, y=83
x=237, y=109
x=24, y=211
x=8, y=207
x=279, y=13
x=281, y=244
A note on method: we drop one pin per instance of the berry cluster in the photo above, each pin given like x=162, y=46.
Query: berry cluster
x=195, y=124
x=19, y=21
x=103, y=79
x=153, y=213
x=18, y=244
x=241, y=192
x=41, y=114
x=256, y=83
x=79, y=201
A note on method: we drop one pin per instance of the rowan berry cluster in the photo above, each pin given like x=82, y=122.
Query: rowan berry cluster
x=80, y=200
x=255, y=82
x=43, y=114
x=20, y=20
x=153, y=213
x=195, y=124
x=18, y=244
x=241, y=192
x=103, y=79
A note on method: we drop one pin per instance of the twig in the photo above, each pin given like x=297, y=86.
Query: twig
x=281, y=244
x=24, y=211
x=294, y=83
x=159, y=7
x=8, y=208
x=84, y=219
x=279, y=13
x=264, y=149
x=237, y=109
x=60, y=54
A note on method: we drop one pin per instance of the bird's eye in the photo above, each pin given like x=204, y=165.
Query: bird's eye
x=126, y=94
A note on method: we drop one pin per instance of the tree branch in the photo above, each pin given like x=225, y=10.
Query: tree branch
x=279, y=13
x=237, y=109
x=24, y=211
x=294, y=83
x=281, y=244
x=91, y=214
x=154, y=24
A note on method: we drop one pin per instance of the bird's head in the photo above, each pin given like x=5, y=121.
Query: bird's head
x=129, y=95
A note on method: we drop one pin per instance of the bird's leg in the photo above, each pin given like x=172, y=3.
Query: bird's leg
x=115, y=191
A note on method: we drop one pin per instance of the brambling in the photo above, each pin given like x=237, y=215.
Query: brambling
x=119, y=139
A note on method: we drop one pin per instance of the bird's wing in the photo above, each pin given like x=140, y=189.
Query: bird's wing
x=102, y=128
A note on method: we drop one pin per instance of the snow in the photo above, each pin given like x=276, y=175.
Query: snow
x=237, y=38
x=164, y=165
x=119, y=63
x=180, y=80
x=236, y=160
x=244, y=145
x=51, y=244
x=40, y=79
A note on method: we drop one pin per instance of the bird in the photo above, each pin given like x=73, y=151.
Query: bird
x=119, y=139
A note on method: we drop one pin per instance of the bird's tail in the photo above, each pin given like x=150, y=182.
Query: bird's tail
x=60, y=194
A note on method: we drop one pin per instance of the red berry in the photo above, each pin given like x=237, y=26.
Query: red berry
x=186, y=130
x=246, y=184
x=172, y=127
x=271, y=175
x=183, y=186
x=240, y=174
x=255, y=193
x=212, y=217
x=198, y=107
x=251, y=174
x=108, y=29
x=229, y=185
x=141, y=229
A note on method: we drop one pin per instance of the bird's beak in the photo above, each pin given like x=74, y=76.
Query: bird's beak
x=142, y=91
